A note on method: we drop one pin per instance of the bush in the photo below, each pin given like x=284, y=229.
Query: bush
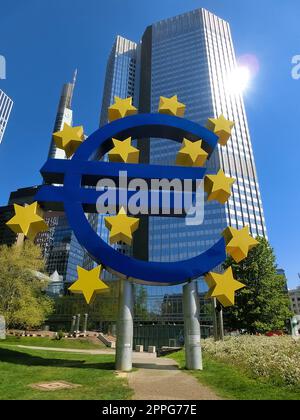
x=59, y=335
x=273, y=358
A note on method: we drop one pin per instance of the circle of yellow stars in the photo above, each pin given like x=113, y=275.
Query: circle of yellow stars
x=29, y=221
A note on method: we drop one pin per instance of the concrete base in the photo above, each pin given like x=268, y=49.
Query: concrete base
x=139, y=348
x=124, y=328
x=193, y=355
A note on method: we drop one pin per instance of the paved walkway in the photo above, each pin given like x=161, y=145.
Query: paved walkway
x=160, y=379
x=83, y=351
x=155, y=379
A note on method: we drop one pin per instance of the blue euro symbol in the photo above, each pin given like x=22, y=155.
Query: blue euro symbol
x=84, y=169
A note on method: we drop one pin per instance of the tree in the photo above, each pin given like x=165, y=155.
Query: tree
x=22, y=298
x=264, y=304
x=140, y=302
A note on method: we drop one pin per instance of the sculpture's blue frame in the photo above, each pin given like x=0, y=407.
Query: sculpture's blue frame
x=72, y=174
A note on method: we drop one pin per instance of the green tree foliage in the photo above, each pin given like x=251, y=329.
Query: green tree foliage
x=22, y=298
x=140, y=302
x=264, y=304
x=103, y=308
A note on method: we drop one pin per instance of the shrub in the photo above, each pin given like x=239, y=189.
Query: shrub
x=59, y=335
x=272, y=358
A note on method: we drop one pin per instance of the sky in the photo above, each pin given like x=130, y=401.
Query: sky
x=43, y=41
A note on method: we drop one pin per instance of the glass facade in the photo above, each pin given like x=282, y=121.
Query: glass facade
x=6, y=105
x=192, y=55
x=60, y=247
x=120, y=80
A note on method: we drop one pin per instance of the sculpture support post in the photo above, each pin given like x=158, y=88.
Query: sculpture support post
x=192, y=337
x=72, y=330
x=220, y=321
x=215, y=320
x=124, y=327
x=78, y=324
x=85, y=323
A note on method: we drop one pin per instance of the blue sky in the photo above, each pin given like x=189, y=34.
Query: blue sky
x=44, y=41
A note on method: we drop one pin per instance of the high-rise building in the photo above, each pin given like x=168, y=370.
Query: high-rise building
x=192, y=56
x=64, y=115
x=6, y=105
x=120, y=80
x=61, y=249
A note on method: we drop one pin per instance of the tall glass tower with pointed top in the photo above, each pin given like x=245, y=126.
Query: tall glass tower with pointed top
x=192, y=56
x=61, y=249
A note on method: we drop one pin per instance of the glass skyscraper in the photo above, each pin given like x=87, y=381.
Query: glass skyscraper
x=6, y=105
x=120, y=80
x=61, y=249
x=192, y=56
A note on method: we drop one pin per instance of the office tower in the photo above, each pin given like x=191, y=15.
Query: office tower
x=64, y=115
x=120, y=80
x=61, y=249
x=6, y=105
x=192, y=56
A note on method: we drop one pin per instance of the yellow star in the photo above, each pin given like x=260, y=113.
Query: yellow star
x=218, y=187
x=238, y=243
x=121, y=227
x=69, y=139
x=171, y=106
x=121, y=108
x=191, y=154
x=89, y=283
x=123, y=152
x=221, y=127
x=223, y=287
x=28, y=220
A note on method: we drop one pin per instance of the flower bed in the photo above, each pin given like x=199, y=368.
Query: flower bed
x=271, y=358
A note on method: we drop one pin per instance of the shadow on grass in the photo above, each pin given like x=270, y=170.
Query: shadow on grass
x=25, y=359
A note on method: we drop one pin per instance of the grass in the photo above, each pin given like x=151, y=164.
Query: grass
x=232, y=383
x=19, y=368
x=78, y=343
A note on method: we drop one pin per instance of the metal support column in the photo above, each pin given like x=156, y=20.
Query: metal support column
x=220, y=321
x=215, y=320
x=125, y=327
x=72, y=330
x=192, y=335
x=78, y=324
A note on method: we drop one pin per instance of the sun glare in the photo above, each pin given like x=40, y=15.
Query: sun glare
x=239, y=80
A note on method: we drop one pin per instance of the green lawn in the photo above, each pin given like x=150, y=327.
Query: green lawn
x=78, y=343
x=21, y=367
x=231, y=383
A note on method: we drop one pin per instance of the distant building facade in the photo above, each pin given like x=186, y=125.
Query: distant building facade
x=295, y=300
x=6, y=105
